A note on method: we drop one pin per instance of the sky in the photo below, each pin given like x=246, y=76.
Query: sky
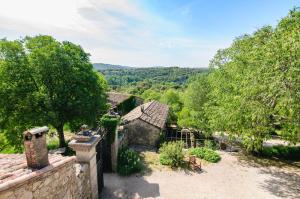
x=142, y=33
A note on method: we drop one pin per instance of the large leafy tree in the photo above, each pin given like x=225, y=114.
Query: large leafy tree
x=256, y=85
x=43, y=81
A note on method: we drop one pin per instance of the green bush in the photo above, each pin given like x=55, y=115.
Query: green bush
x=206, y=154
x=171, y=154
x=52, y=143
x=282, y=152
x=209, y=144
x=6, y=147
x=129, y=162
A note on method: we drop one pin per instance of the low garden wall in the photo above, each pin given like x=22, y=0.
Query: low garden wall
x=64, y=179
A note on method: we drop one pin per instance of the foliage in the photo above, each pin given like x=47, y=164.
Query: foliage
x=206, y=154
x=6, y=147
x=256, y=85
x=128, y=162
x=282, y=152
x=127, y=105
x=171, y=154
x=171, y=97
x=120, y=77
x=52, y=143
x=150, y=94
x=110, y=124
x=47, y=83
x=252, y=90
x=196, y=96
x=209, y=144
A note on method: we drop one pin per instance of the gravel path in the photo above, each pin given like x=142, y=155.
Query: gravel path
x=233, y=177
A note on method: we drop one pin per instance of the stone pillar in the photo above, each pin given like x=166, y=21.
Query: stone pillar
x=86, y=153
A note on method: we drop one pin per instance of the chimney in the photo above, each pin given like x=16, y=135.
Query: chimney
x=36, y=147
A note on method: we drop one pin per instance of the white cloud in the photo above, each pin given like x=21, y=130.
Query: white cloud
x=113, y=31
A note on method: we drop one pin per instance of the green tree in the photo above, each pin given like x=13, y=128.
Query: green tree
x=150, y=94
x=171, y=97
x=255, y=85
x=48, y=82
x=195, y=98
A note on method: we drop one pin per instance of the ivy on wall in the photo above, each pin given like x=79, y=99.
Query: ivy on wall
x=127, y=105
x=109, y=123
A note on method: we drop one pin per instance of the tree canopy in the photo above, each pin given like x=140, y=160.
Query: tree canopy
x=253, y=89
x=44, y=81
x=195, y=98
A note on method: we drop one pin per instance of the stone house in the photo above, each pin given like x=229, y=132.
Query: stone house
x=144, y=124
x=122, y=103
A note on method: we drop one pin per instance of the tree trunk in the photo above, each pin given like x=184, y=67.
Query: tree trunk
x=60, y=130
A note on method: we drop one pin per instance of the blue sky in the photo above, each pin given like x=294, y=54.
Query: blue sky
x=142, y=32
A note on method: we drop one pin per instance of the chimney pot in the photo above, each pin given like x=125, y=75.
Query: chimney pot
x=36, y=147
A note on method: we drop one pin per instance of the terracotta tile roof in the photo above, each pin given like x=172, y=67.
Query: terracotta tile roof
x=117, y=98
x=153, y=112
x=13, y=166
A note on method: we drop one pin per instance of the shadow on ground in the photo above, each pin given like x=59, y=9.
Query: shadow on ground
x=254, y=161
x=282, y=184
x=117, y=187
x=284, y=180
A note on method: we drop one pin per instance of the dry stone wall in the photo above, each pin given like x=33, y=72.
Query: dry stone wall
x=66, y=181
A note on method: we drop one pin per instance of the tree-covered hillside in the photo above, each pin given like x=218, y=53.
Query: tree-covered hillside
x=125, y=77
x=102, y=66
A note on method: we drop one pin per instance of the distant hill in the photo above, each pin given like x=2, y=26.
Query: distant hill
x=102, y=66
x=124, y=76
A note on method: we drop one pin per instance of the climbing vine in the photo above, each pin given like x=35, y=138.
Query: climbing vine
x=127, y=105
x=109, y=123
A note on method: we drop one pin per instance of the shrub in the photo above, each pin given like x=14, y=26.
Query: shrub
x=209, y=144
x=171, y=154
x=6, y=147
x=52, y=143
x=206, y=154
x=282, y=152
x=129, y=162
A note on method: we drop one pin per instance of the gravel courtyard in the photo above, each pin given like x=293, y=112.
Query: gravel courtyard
x=233, y=177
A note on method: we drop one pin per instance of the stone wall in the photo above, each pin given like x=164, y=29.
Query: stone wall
x=123, y=140
x=62, y=180
x=142, y=133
